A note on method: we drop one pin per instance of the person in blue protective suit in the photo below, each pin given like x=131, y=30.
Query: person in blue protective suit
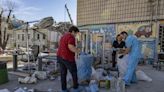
x=134, y=51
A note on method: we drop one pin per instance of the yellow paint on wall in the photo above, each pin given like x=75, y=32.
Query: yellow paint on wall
x=155, y=30
x=97, y=37
x=133, y=27
x=162, y=22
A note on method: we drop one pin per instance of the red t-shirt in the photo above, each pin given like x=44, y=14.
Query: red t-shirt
x=63, y=50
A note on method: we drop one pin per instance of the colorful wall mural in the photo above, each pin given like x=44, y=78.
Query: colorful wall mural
x=98, y=32
x=142, y=28
x=148, y=49
x=162, y=22
x=147, y=39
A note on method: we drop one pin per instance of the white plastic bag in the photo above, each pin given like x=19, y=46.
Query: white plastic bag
x=40, y=75
x=122, y=65
x=27, y=80
x=142, y=76
x=20, y=90
x=69, y=77
x=93, y=75
x=93, y=71
x=98, y=74
x=69, y=80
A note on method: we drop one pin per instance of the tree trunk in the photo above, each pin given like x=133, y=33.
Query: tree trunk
x=5, y=40
x=4, y=37
x=1, y=28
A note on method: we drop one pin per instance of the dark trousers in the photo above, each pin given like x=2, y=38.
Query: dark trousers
x=114, y=59
x=64, y=66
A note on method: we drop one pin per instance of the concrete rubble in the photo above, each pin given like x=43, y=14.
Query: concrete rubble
x=4, y=90
x=33, y=79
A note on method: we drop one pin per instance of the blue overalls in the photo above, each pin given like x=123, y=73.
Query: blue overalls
x=134, y=55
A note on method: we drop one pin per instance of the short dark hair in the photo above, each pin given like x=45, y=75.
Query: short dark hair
x=73, y=29
x=117, y=36
x=123, y=32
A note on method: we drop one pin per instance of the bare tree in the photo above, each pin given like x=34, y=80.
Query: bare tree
x=4, y=36
x=1, y=27
x=10, y=6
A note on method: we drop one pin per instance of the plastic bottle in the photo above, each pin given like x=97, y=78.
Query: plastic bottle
x=94, y=86
x=107, y=84
x=120, y=85
x=50, y=90
x=87, y=89
x=113, y=84
x=25, y=89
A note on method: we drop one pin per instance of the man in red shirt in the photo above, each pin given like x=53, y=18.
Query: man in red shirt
x=66, y=57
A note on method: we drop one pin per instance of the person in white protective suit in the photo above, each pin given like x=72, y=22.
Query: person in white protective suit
x=134, y=51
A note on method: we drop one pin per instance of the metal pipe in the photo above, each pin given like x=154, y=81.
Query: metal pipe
x=157, y=33
x=86, y=42
x=103, y=55
x=91, y=43
x=96, y=45
x=69, y=14
x=27, y=46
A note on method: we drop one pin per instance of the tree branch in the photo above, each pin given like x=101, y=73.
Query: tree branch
x=1, y=27
x=8, y=17
x=4, y=35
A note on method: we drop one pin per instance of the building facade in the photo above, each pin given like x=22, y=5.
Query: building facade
x=110, y=17
x=118, y=11
x=34, y=38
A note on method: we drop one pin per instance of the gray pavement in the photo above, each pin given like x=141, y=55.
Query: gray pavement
x=155, y=86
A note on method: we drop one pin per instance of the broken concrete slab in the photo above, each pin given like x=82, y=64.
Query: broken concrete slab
x=4, y=90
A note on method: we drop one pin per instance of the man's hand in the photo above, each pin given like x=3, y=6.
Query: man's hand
x=127, y=50
x=124, y=51
x=121, y=50
x=73, y=48
x=78, y=50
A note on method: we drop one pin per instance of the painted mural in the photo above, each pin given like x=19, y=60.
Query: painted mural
x=145, y=31
x=108, y=30
x=148, y=49
x=98, y=32
x=162, y=22
x=147, y=38
x=141, y=28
